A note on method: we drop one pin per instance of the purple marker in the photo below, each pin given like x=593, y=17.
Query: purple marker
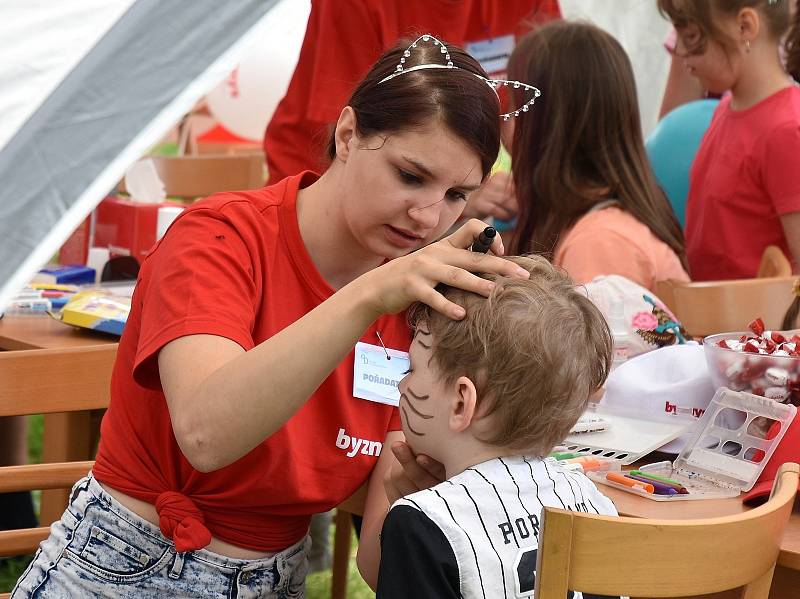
x=658, y=488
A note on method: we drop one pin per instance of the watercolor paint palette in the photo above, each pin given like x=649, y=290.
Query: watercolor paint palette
x=727, y=449
x=623, y=438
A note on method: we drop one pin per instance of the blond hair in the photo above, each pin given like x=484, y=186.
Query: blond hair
x=536, y=349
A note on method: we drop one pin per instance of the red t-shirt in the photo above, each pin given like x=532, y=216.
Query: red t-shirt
x=344, y=38
x=235, y=265
x=744, y=177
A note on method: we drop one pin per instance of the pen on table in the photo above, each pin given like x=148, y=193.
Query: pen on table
x=658, y=488
x=54, y=287
x=484, y=240
x=564, y=455
x=590, y=464
x=621, y=479
x=664, y=481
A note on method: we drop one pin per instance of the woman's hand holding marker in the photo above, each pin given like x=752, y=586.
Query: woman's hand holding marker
x=484, y=240
x=395, y=285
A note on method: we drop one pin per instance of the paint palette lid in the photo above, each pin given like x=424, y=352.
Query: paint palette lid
x=734, y=439
x=624, y=437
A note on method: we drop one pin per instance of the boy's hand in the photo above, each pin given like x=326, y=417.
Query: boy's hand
x=410, y=473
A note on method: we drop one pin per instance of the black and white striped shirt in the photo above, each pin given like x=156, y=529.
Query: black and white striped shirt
x=476, y=535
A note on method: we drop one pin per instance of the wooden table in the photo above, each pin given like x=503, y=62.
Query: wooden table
x=68, y=435
x=786, y=582
x=43, y=332
x=65, y=440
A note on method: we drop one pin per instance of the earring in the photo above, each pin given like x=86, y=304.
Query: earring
x=747, y=46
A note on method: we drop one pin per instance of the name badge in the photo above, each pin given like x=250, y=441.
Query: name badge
x=493, y=54
x=374, y=377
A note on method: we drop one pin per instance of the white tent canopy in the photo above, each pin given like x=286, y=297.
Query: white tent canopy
x=87, y=87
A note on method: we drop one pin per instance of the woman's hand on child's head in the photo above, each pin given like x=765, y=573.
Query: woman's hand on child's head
x=394, y=286
x=410, y=472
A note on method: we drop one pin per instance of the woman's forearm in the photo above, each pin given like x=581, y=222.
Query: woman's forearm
x=250, y=396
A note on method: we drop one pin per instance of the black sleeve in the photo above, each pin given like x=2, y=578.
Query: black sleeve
x=416, y=558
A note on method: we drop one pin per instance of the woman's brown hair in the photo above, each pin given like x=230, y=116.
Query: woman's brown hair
x=582, y=142
x=775, y=14
x=464, y=103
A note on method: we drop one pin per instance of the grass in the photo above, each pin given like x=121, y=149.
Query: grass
x=318, y=584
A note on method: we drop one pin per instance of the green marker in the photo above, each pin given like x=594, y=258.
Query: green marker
x=564, y=456
x=667, y=481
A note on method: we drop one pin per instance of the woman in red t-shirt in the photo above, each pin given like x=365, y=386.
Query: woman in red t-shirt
x=238, y=407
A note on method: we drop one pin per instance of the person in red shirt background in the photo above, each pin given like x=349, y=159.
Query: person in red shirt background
x=744, y=187
x=342, y=40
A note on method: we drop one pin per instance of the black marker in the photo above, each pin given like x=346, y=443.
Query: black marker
x=484, y=240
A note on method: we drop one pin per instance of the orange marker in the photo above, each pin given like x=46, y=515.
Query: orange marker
x=620, y=478
x=591, y=464
x=586, y=463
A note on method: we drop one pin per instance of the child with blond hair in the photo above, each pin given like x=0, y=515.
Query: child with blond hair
x=488, y=397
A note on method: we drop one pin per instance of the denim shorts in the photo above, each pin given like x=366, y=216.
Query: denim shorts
x=99, y=548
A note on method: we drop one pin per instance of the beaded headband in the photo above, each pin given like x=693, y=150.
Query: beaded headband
x=492, y=83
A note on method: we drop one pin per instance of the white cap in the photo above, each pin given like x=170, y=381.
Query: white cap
x=668, y=383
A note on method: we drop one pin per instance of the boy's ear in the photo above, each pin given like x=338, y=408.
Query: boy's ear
x=463, y=404
x=345, y=133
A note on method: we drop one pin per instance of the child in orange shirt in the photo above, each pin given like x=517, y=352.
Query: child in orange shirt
x=587, y=196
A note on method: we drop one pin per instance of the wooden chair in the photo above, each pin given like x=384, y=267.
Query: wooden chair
x=50, y=381
x=723, y=306
x=77, y=380
x=664, y=558
x=72, y=382
x=774, y=263
x=201, y=175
